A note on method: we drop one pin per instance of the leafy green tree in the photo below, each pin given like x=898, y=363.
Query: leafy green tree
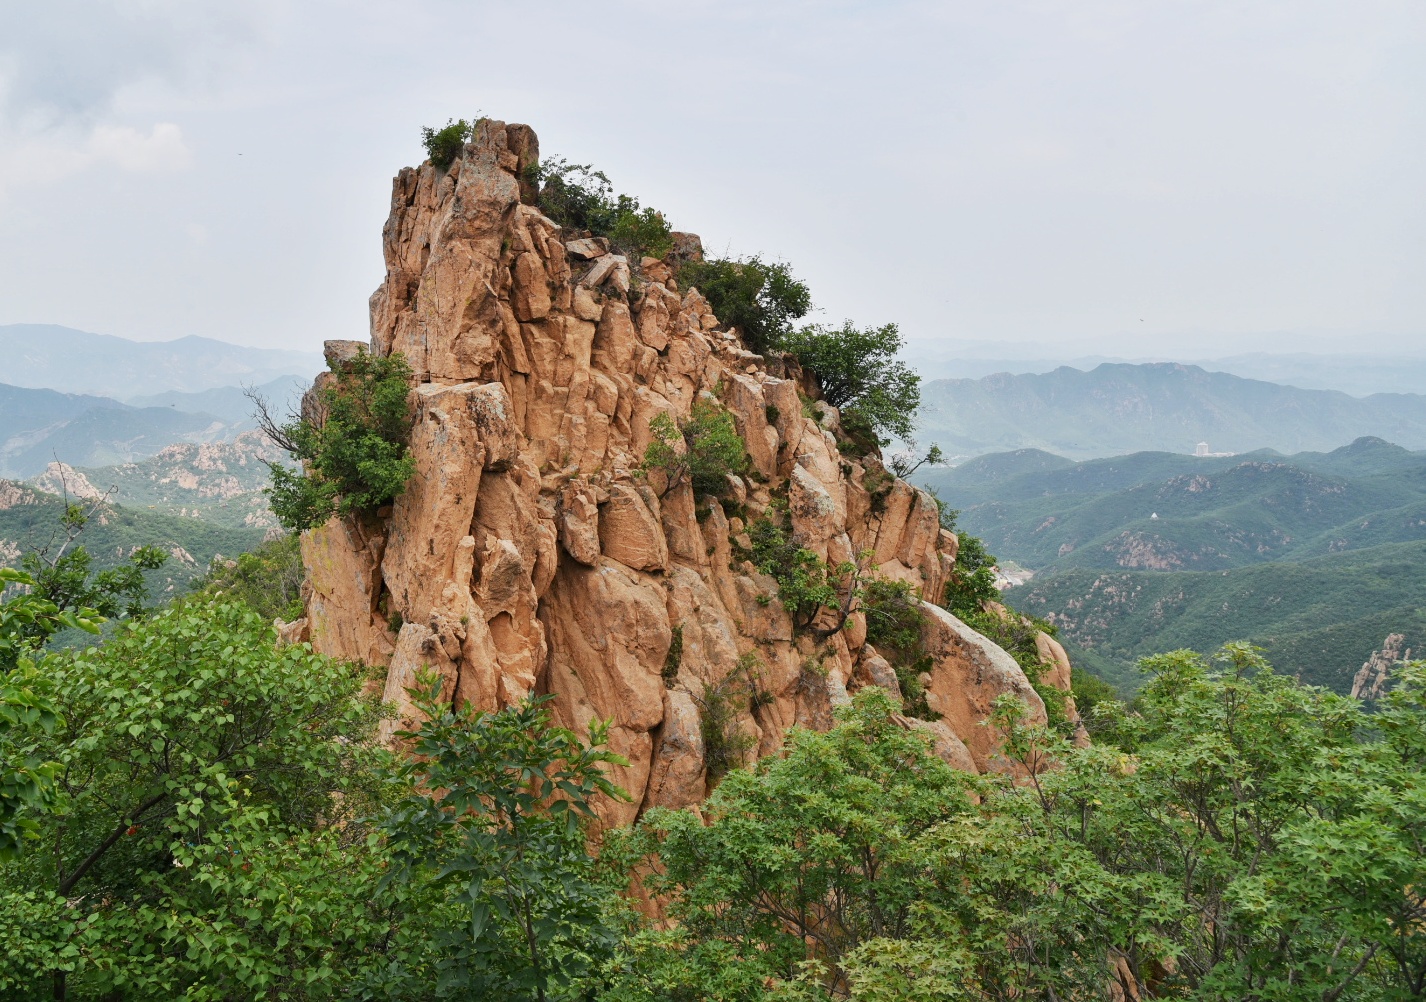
x=581, y=198
x=268, y=580
x=809, y=857
x=445, y=144
x=27, y=780
x=759, y=298
x=972, y=580
x=56, y=587
x=164, y=735
x=860, y=375
x=711, y=448
x=494, y=820
x=356, y=457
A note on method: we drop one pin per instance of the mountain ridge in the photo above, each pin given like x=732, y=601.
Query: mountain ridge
x=1120, y=408
x=51, y=356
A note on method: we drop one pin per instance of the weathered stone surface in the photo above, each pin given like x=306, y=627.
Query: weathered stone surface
x=609, y=634
x=344, y=584
x=816, y=515
x=530, y=553
x=968, y=675
x=434, y=512
x=677, y=777
x=944, y=742
x=579, y=526
x=630, y=531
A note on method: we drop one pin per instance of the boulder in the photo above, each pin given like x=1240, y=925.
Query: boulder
x=968, y=674
x=630, y=531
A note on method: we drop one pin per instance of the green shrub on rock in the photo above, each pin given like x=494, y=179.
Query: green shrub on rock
x=445, y=144
x=712, y=449
x=355, y=459
x=578, y=197
x=759, y=298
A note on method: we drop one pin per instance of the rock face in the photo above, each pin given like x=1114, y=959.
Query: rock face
x=526, y=556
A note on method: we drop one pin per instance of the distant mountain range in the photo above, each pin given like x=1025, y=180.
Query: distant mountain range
x=38, y=427
x=1115, y=409
x=1316, y=557
x=1355, y=373
x=47, y=356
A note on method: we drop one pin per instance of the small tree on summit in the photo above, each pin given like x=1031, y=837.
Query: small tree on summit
x=445, y=144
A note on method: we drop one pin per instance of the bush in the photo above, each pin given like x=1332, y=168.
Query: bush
x=268, y=579
x=357, y=458
x=758, y=298
x=861, y=376
x=172, y=732
x=724, y=745
x=893, y=627
x=804, y=581
x=712, y=449
x=579, y=197
x=673, y=660
x=972, y=580
x=444, y=145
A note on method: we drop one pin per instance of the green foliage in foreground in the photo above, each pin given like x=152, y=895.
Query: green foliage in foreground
x=504, y=843
x=180, y=741
x=702, y=451
x=268, y=579
x=1247, y=838
x=860, y=374
x=759, y=298
x=222, y=826
x=356, y=457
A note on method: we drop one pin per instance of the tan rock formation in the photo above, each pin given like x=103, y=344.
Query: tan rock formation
x=529, y=555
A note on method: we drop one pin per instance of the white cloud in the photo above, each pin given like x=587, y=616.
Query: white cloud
x=162, y=149
x=54, y=156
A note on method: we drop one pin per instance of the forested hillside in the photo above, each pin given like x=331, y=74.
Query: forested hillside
x=32, y=520
x=1316, y=557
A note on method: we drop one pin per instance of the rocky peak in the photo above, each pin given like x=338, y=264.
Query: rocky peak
x=527, y=555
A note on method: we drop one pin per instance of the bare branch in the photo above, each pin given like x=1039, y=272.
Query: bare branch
x=275, y=430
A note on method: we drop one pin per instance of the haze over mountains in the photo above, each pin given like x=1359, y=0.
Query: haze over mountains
x=1118, y=408
x=48, y=356
x=94, y=400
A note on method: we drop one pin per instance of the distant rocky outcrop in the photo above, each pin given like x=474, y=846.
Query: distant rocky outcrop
x=528, y=556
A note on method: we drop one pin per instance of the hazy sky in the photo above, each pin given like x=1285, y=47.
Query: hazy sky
x=1087, y=171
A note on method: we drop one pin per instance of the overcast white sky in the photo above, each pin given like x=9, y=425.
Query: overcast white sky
x=1103, y=173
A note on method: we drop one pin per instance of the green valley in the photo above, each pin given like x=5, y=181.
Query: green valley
x=1315, y=557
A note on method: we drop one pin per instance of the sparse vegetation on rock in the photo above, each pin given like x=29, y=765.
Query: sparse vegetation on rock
x=761, y=299
x=443, y=145
x=579, y=197
x=354, y=455
x=703, y=451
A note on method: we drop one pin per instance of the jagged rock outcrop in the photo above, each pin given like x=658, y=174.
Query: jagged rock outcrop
x=527, y=555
